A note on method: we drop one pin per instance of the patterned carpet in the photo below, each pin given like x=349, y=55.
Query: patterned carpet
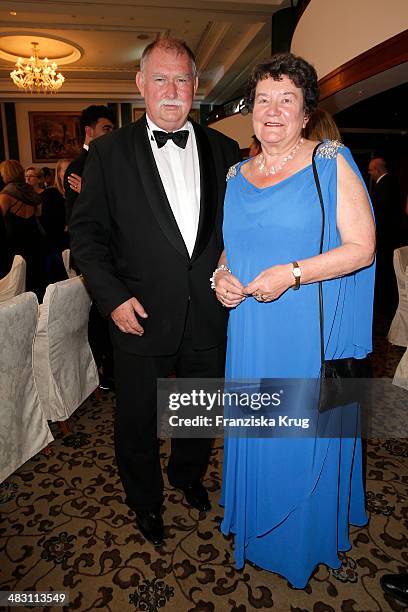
x=65, y=527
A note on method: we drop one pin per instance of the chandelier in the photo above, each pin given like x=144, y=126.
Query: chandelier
x=36, y=74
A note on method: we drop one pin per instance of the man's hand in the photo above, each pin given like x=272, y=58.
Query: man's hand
x=125, y=318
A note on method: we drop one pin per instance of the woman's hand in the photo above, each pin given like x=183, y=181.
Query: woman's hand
x=75, y=182
x=228, y=289
x=271, y=283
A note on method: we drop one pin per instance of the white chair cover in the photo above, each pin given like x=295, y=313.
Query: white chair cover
x=24, y=429
x=14, y=282
x=401, y=373
x=65, y=258
x=64, y=368
x=398, y=333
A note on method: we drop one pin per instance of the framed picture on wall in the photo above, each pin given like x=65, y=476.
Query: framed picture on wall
x=138, y=113
x=195, y=114
x=54, y=135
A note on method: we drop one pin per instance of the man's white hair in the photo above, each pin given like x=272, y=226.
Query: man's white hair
x=170, y=44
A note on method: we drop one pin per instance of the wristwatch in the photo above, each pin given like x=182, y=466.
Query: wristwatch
x=297, y=273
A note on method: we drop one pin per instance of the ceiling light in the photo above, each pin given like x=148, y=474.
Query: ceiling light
x=37, y=74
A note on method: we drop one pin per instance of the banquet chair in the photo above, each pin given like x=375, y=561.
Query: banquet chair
x=14, y=282
x=398, y=333
x=24, y=429
x=66, y=255
x=401, y=373
x=64, y=368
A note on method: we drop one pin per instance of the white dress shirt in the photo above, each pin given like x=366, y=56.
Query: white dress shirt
x=179, y=171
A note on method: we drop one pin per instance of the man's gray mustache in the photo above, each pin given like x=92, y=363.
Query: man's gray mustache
x=170, y=101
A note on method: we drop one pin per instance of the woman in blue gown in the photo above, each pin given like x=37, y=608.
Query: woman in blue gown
x=289, y=501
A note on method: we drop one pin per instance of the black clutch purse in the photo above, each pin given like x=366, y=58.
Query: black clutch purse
x=338, y=377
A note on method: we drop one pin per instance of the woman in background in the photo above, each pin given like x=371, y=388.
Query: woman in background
x=20, y=206
x=6, y=256
x=60, y=169
x=35, y=178
x=53, y=222
x=53, y=208
x=321, y=126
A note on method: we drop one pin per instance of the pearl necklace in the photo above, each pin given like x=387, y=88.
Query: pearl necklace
x=260, y=160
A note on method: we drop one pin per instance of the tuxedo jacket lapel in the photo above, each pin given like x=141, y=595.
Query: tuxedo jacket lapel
x=153, y=187
x=208, y=191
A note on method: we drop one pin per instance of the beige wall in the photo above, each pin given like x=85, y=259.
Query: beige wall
x=332, y=32
x=238, y=127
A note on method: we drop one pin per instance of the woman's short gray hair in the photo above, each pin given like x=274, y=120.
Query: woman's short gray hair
x=169, y=44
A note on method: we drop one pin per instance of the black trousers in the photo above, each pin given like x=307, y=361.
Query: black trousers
x=100, y=342
x=136, y=443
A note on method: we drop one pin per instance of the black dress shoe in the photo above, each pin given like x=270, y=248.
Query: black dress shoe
x=196, y=495
x=396, y=585
x=150, y=523
x=106, y=383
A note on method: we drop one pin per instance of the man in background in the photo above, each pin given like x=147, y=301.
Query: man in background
x=49, y=177
x=387, y=209
x=95, y=121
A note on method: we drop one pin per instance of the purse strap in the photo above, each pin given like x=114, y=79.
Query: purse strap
x=319, y=191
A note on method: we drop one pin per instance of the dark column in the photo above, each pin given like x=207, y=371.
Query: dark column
x=2, y=149
x=283, y=26
x=126, y=111
x=12, y=139
x=113, y=106
x=205, y=110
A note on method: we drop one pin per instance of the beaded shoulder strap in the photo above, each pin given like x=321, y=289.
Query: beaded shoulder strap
x=328, y=148
x=232, y=171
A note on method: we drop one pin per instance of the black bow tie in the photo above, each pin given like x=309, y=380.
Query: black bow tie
x=179, y=138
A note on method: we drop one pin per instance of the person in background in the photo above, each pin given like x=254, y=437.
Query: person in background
x=289, y=499
x=6, y=255
x=53, y=221
x=49, y=177
x=389, y=221
x=95, y=121
x=60, y=170
x=321, y=126
x=254, y=147
x=20, y=206
x=35, y=178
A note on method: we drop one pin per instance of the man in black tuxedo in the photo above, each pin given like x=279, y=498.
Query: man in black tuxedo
x=388, y=219
x=146, y=233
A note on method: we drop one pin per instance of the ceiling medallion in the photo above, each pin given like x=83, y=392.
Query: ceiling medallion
x=39, y=75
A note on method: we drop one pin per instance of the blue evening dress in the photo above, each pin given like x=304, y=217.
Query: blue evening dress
x=289, y=501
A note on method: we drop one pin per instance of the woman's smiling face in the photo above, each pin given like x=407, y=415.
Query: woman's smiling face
x=278, y=113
